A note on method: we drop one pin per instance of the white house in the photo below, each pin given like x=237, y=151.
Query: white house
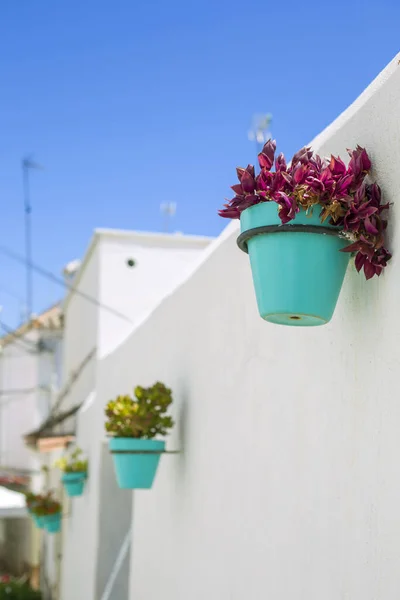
x=287, y=483
x=30, y=363
x=121, y=279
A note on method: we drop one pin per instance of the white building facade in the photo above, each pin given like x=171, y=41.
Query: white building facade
x=30, y=373
x=287, y=482
x=123, y=276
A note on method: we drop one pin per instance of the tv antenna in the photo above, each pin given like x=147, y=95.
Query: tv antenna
x=168, y=209
x=259, y=132
x=27, y=164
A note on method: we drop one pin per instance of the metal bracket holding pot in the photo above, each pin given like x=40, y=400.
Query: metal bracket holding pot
x=145, y=451
x=247, y=235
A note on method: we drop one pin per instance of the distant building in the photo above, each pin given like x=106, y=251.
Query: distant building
x=30, y=373
x=122, y=278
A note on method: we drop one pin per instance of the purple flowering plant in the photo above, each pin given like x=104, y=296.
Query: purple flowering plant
x=342, y=194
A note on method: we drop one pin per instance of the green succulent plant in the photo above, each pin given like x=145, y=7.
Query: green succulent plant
x=73, y=462
x=143, y=416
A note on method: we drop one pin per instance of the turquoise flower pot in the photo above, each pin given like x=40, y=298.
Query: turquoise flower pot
x=297, y=271
x=136, y=461
x=74, y=483
x=53, y=523
x=40, y=521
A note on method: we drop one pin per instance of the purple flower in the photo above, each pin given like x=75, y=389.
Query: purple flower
x=266, y=156
x=337, y=167
x=278, y=184
x=362, y=245
x=345, y=198
x=280, y=163
x=358, y=210
x=248, y=183
x=288, y=207
x=359, y=164
x=264, y=180
x=373, y=265
x=315, y=185
x=300, y=173
x=229, y=212
x=302, y=156
x=245, y=194
x=370, y=225
x=343, y=185
x=240, y=171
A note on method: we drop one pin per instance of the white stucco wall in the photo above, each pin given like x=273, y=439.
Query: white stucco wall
x=80, y=528
x=81, y=322
x=81, y=329
x=19, y=412
x=81, y=315
x=23, y=369
x=161, y=262
x=123, y=296
x=287, y=484
x=25, y=400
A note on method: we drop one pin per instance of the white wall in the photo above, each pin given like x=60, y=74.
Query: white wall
x=80, y=528
x=15, y=545
x=161, y=262
x=81, y=328
x=81, y=332
x=114, y=521
x=287, y=484
x=122, y=295
x=23, y=369
x=19, y=412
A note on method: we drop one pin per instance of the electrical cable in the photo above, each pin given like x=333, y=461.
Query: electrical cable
x=13, y=392
x=49, y=275
x=11, y=293
x=21, y=393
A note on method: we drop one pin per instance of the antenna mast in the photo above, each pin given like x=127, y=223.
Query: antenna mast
x=168, y=209
x=28, y=163
x=259, y=132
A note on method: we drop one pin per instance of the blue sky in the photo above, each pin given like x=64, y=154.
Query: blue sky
x=129, y=104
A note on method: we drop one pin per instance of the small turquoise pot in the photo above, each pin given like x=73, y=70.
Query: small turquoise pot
x=53, y=523
x=298, y=269
x=74, y=483
x=40, y=521
x=135, y=461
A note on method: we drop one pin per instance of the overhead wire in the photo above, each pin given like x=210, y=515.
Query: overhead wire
x=11, y=396
x=11, y=330
x=56, y=279
x=13, y=392
x=11, y=293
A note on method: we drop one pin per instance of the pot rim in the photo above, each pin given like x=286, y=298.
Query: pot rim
x=269, y=229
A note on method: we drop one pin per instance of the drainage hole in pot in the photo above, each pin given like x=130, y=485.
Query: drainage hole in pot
x=295, y=318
